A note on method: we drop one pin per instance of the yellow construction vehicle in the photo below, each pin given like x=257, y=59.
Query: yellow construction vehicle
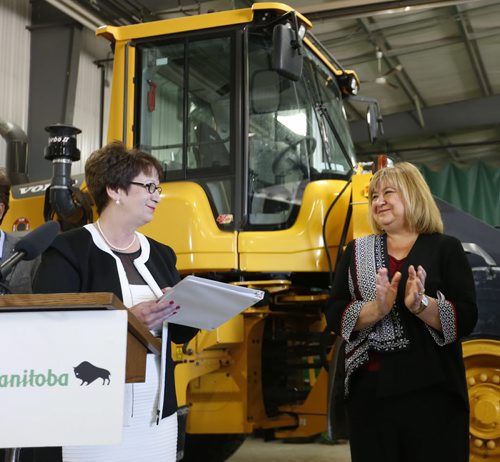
x=245, y=109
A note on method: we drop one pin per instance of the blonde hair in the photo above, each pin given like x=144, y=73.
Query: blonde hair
x=421, y=211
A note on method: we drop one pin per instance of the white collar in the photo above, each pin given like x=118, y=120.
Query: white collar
x=139, y=263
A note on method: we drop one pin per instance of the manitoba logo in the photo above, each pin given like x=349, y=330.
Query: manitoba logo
x=32, y=378
x=87, y=373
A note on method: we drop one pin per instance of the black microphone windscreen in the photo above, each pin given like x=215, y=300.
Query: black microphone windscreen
x=34, y=243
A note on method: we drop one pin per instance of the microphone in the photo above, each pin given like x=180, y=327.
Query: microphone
x=30, y=246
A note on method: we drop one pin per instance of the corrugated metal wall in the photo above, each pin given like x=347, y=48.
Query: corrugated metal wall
x=88, y=97
x=15, y=17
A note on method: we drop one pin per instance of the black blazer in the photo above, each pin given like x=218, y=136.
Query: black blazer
x=73, y=263
x=424, y=363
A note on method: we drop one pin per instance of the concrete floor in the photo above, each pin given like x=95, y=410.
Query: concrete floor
x=258, y=450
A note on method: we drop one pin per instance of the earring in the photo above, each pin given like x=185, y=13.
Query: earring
x=117, y=202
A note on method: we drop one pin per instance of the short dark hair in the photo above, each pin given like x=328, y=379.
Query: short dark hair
x=115, y=166
x=4, y=193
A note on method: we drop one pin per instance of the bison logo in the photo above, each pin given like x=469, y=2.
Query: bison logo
x=87, y=373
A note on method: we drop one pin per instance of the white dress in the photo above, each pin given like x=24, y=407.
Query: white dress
x=143, y=439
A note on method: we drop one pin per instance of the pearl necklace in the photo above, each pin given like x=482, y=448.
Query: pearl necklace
x=120, y=249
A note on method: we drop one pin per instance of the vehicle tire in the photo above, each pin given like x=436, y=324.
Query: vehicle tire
x=211, y=447
x=481, y=359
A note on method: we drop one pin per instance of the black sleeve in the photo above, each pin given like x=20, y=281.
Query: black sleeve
x=458, y=287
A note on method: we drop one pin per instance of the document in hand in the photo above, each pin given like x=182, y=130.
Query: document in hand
x=207, y=304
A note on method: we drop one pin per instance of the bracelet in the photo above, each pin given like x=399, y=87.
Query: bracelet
x=423, y=305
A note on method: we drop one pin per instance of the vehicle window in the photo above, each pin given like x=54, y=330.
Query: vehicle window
x=184, y=112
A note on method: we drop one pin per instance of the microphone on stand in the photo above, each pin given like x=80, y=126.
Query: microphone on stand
x=30, y=246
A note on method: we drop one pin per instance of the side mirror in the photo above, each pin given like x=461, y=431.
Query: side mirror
x=374, y=121
x=287, y=59
x=373, y=116
x=265, y=92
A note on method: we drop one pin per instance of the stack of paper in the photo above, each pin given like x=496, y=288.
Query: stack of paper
x=207, y=304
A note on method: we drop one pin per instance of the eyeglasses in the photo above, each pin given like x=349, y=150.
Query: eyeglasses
x=150, y=187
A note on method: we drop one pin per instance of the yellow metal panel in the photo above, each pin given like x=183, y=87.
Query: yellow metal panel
x=196, y=22
x=229, y=333
x=188, y=371
x=282, y=8
x=118, y=95
x=115, y=124
x=195, y=237
x=228, y=400
x=299, y=248
x=361, y=225
x=177, y=25
x=205, y=417
x=24, y=212
x=329, y=63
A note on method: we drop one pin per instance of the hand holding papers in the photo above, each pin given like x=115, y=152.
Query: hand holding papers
x=207, y=304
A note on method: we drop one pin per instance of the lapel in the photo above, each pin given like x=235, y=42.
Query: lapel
x=8, y=245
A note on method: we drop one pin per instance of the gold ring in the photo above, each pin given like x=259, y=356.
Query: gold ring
x=421, y=293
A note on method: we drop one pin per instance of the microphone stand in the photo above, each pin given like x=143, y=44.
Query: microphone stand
x=7, y=265
x=11, y=454
x=4, y=288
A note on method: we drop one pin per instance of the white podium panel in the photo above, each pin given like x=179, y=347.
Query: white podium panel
x=62, y=376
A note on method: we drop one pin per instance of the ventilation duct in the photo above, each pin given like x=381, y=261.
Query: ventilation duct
x=16, y=163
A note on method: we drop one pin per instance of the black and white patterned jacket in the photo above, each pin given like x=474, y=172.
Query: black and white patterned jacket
x=413, y=355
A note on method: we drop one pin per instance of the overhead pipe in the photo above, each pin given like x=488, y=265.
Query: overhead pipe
x=78, y=13
x=16, y=162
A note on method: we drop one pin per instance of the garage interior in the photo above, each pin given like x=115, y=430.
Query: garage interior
x=433, y=66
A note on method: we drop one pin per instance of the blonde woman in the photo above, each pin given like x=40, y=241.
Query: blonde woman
x=402, y=299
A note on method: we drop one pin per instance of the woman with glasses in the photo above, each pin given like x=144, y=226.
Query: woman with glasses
x=111, y=256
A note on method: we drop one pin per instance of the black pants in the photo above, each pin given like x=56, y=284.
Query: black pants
x=430, y=425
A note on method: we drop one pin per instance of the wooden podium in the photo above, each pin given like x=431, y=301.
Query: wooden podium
x=139, y=340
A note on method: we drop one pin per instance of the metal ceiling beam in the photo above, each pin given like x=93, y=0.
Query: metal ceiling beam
x=424, y=46
x=469, y=114
x=358, y=8
x=353, y=35
x=437, y=154
x=465, y=28
x=405, y=83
